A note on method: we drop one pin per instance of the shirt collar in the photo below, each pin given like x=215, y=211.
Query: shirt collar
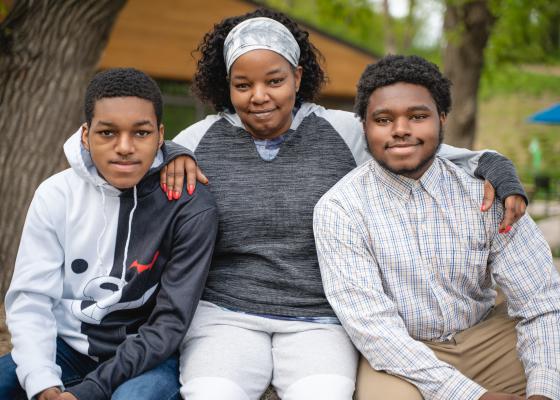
x=431, y=180
x=402, y=187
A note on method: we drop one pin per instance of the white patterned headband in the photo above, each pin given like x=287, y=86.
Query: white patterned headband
x=260, y=34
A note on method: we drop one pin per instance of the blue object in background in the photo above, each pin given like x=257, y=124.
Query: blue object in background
x=548, y=116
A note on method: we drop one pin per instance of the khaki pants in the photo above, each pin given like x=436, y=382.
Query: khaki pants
x=486, y=353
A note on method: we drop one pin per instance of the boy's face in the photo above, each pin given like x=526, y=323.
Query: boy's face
x=403, y=128
x=123, y=139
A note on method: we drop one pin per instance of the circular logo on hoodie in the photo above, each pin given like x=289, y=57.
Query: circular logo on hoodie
x=79, y=265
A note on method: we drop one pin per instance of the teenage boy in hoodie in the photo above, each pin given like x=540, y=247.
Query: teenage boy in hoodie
x=108, y=273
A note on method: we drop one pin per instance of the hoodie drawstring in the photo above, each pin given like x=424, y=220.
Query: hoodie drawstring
x=123, y=281
x=98, y=247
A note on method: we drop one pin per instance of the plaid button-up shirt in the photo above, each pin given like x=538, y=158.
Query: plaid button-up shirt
x=404, y=260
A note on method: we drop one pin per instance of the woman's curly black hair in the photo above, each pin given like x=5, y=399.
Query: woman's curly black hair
x=411, y=69
x=210, y=80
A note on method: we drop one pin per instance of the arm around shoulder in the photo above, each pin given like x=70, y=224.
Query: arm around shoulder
x=489, y=165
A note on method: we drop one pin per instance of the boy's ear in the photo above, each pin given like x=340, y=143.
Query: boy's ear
x=442, y=118
x=85, y=134
x=161, y=135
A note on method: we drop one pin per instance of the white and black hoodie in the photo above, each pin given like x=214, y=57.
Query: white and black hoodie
x=115, y=274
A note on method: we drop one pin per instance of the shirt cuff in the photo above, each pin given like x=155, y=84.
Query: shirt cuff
x=38, y=381
x=88, y=390
x=544, y=382
x=458, y=386
x=501, y=173
x=174, y=150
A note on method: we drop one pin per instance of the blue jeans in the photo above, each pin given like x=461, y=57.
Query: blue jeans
x=160, y=383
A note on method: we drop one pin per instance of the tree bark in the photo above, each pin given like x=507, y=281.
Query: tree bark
x=467, y=25
x=48, y=52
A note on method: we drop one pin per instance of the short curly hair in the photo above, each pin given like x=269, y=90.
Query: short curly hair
x=410, y=69
x=210, y=83
x=122, y=82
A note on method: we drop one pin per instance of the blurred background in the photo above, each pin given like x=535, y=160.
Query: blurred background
x=503, y=57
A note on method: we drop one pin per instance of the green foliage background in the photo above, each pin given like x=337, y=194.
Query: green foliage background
x=521, y=74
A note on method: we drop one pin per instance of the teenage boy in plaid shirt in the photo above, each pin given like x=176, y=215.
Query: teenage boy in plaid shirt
x=409, y=261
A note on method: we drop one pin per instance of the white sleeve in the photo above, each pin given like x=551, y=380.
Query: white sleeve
x=350, y=129
x=191, y=136
x=465, y=159
x=36, y=286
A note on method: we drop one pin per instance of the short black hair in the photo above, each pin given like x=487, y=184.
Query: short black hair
x=122, y=82
x=210, y=83
x=398, y=68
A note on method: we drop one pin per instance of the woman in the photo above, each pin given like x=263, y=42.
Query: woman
x=270, y=154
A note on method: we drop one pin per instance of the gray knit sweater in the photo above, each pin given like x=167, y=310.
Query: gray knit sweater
x=265, y=259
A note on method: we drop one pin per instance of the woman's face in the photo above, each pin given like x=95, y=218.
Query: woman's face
x=263, y=87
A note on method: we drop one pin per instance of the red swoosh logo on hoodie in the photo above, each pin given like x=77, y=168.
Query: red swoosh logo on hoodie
x=144, y=267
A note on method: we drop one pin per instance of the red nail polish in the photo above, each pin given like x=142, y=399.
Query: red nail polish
x=482, y=207
x=165, y=188
x=169, y=195
x=190, y=189
x=176, y=195
x=508, y=228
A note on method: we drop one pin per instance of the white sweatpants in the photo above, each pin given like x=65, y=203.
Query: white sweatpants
x=229, y=355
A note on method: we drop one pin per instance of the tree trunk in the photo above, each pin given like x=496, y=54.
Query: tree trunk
x=467, y=26
x=410, y=28
x=389, y=38
x=554, y=32
x=48, y=52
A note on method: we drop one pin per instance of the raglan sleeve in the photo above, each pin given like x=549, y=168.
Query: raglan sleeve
x=488, y=165
x=191, y=136
x=182, y=284
x=175, y=150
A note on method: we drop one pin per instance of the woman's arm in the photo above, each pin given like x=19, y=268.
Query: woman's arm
x=500, y=176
